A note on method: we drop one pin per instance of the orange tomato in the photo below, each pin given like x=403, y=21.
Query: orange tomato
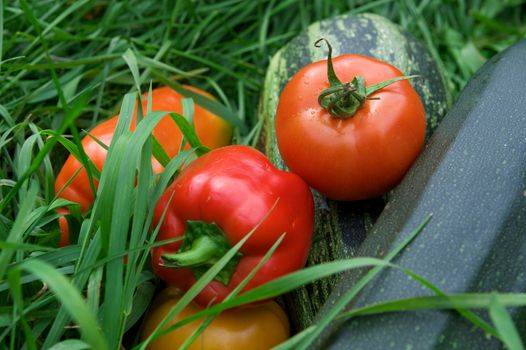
x=212, y=130
x=254, y=327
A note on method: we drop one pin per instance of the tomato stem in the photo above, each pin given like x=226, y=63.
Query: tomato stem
x=342, y=100
x=203, y=245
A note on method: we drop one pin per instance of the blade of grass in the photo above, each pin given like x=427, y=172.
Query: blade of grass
x=48, y=175
x=131, y=60
x=189, y=133
x=171, y=168
x=345, y=299
x=140, y=221
x=69, y=296
x=155, y=63
x=13, y=278
x=264, y=26
x=23, y=161
x=72, y=113
x=188, y=113
x=24, y=246
x=121, y=211
x=159, y=153
x=1, y=32
x=72, y=148
x=94, y=289
x=141, y=300
x=116, y=196
x=19, y=228
x=71, y=344
x=295, y=340
x=439, y=302
x=502, y=320
x=104, y=78
x=467, y=314
x=79, y=279
x=283, y=285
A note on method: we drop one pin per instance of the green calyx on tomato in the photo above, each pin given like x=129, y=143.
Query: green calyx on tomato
x=353, y=158
x=203, y=245
x=342, y=100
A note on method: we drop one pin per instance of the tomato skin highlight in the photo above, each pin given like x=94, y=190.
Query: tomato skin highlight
x=238, y=189
x=260, y=326
x=213, y=132
x=359, y=157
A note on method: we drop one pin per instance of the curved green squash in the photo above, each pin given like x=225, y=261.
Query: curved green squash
x=472, y=178
x=341, y=227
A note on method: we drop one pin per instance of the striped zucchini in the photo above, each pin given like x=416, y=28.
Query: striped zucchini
x=341, y=227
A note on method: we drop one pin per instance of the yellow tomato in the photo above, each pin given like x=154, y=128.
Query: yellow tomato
x=259, y=326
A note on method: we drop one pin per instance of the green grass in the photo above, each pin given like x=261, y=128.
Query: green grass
x=67, y=65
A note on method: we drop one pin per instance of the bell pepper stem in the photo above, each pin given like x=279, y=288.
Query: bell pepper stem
x=203, y=250
x=203, y=245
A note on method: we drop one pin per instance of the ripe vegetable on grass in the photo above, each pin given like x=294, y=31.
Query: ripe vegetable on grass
x=350, y=126
x=260, y=326
x=212, y=131
x=214, y=203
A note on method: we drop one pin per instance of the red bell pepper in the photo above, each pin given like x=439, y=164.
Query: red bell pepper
x=217, y=200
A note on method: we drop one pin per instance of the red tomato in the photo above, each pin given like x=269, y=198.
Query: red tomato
x=356, y=157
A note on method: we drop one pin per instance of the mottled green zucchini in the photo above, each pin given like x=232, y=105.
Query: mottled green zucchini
x=341, y=227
